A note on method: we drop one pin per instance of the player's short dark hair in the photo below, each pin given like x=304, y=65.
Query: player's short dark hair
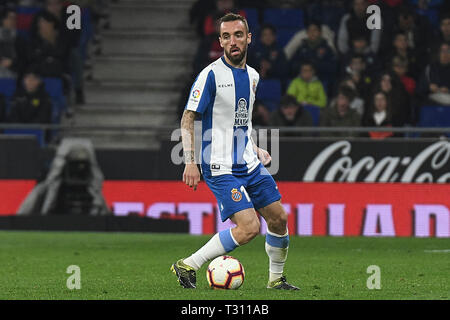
x=234, y=17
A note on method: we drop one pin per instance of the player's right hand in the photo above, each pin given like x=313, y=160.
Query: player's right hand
x=191, y=175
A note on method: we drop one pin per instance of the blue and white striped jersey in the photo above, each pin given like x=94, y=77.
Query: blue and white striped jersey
x=224, y=95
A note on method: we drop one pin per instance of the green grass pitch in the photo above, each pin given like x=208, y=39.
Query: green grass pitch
x=136, y=266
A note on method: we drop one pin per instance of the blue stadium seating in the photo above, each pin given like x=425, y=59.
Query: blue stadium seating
x=7, y=88
x=435, y=116
x=315, y=113
x=252, y=19
x=54, y=88
x=285, y=18
x=269, y=92
x=284, y=35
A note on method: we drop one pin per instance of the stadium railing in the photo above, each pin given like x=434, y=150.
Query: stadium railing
x=167, y=130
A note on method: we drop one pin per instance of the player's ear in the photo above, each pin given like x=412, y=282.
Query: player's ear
x=249, y=37
x=220, y=41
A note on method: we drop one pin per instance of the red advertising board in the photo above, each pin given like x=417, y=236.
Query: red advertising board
x=337, y=209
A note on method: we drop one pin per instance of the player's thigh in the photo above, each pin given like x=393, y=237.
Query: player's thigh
x=262, y=189
x=229, y=194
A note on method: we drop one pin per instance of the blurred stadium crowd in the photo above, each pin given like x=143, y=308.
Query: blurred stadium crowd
x=321, y=66
x=43, y=64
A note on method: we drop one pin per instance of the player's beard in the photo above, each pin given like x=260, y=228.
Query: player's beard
x=236, y=60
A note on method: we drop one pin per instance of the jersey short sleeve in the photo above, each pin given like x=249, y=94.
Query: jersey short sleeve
x=203, y=92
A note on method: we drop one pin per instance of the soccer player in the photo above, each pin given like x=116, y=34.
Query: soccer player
x=232, y=165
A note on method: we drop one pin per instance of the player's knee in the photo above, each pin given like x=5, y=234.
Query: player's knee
x=252, y=230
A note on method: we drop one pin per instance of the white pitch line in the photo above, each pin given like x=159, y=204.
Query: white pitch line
x=439, y=251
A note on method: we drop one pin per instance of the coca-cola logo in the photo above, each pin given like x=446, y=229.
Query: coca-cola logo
x=419, y=168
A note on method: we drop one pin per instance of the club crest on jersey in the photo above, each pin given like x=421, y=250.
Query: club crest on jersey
x=236, y=195
x=241, y=114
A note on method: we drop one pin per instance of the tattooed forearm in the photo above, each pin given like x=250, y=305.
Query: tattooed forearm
x=187, y=136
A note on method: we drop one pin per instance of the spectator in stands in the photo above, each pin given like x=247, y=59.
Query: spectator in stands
x=260, y=114
x=445, y=29
x=443, y=35
x=49, y=53
x=379, y=115
x=31, y=103
x=12, y=46
x=354, y=24
x=418, y=33
x=361, y=48
x=71, y=39
x=307, y=88
x=355, y=70
x=436, y=79
x=297, y=39
x=7, y=44
x=339, y=114
x=400, y=68
x=314, y=48
x=291, y=114
x=401, y=49
x=357, y=103
x=392, y=86
x=267, y=56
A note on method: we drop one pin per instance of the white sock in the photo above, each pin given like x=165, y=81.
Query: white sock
x=277, y=249
x=218, y=245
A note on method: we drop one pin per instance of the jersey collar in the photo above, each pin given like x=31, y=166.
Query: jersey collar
x=230, y=66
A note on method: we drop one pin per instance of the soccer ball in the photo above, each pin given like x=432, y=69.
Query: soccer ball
x=225, y=272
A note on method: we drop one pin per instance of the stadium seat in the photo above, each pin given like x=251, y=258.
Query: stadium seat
x=54, y=88
x=38, y=133
x=252, y=19
x=269, y=92
x=315, y=113
x=431, y=15
x=284, y=35
x=435, y=116
x=284, y=18
x=7, y=88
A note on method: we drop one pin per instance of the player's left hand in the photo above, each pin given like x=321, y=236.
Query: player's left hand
x=264, y=156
